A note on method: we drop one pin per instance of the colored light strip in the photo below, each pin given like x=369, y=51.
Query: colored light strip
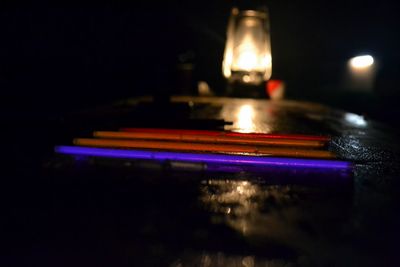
x=204, y=158
x=204, y=147
x=210, y=139
x=232, y=134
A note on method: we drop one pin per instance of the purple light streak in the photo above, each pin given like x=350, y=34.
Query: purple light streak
x=238, y=160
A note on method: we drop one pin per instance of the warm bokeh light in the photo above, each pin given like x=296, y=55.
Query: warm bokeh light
x=361, y=73
x=247, y=56
x=361, y=62
x=247, y=60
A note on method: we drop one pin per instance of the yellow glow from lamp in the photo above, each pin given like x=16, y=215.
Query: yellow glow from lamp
x=247, y=56
x=247, y=60
x=361, y=62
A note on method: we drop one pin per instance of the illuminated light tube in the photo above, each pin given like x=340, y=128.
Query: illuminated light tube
x=220, y=133
x=204, y=158
x=204, y=147
x=210, y=139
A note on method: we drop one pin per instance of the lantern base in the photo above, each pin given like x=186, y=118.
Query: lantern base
x=243, y=90
x=247, y=77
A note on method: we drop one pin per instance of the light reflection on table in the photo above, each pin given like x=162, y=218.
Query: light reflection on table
x=263, y=213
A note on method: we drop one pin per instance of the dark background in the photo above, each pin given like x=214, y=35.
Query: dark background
x=55, y=58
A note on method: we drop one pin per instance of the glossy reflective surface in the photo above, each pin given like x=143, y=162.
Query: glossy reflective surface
x=145, y=214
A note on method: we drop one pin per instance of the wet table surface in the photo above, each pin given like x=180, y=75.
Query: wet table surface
x=70, y=212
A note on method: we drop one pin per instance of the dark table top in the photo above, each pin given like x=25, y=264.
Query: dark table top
x=63, y=212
